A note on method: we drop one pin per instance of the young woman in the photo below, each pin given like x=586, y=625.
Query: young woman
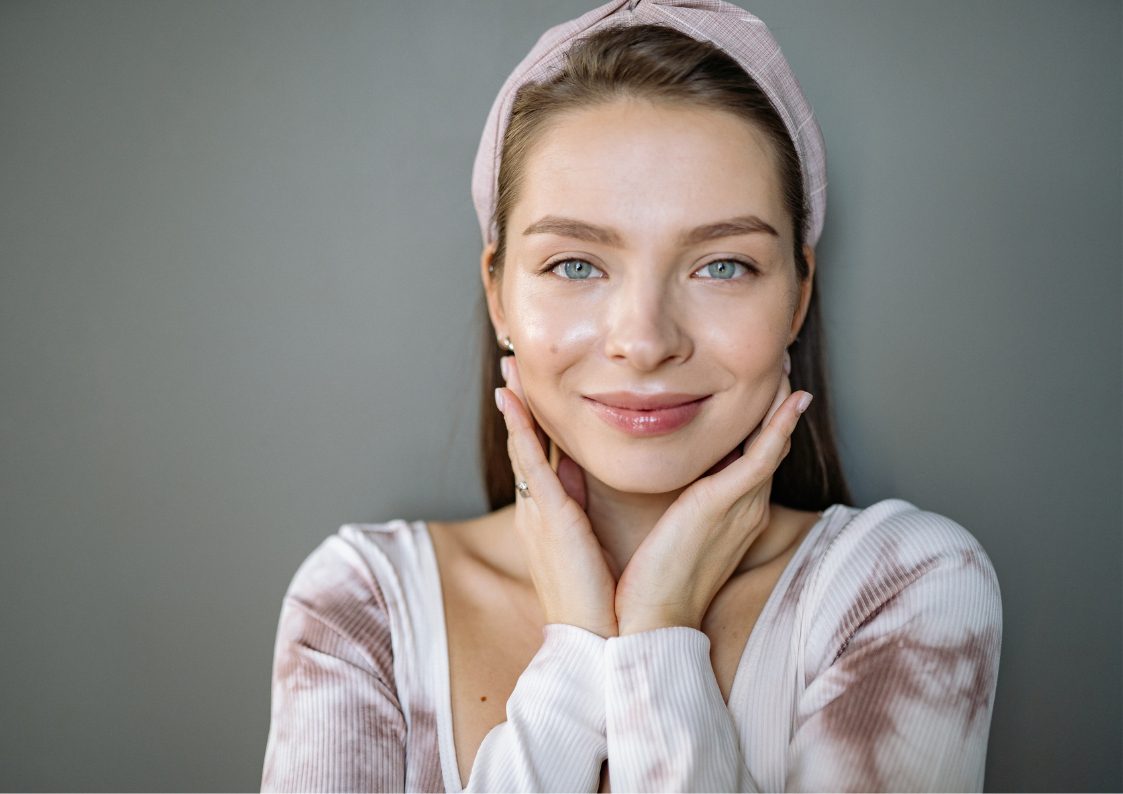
x=671, y=591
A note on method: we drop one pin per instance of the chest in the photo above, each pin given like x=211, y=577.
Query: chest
x=493, y=636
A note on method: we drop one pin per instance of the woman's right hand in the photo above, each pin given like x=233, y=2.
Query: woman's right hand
x=568, y=565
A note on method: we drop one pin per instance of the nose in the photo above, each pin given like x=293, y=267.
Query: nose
x=643, y=329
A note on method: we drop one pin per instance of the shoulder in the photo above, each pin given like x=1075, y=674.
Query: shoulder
x=930, y=569
x=896, y=536
x=351, y=562
x=348, y=584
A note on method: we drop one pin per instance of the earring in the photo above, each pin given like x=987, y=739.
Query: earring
x=506, y=342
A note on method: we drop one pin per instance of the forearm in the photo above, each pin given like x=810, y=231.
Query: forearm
x=554, y=735
x=668, y=728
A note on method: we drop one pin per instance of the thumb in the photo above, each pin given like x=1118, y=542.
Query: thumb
x=572, y=478
x=783, y=391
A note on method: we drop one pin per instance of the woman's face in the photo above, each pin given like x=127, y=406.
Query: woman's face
x=649, y=252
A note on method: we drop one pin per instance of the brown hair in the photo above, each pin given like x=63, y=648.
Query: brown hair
x=661, y=64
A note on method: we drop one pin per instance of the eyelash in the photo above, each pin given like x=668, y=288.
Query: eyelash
x=550, y=266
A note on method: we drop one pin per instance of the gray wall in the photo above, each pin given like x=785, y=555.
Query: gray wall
x=238, y=271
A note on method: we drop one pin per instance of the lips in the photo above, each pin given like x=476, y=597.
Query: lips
x=639, y=401
x=653, y=421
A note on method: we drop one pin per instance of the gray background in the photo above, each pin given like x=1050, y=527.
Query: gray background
x=238, y=303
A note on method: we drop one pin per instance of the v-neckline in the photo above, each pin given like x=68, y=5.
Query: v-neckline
x=446, y=744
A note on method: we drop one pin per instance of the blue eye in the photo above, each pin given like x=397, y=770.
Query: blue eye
x=723, y=269
x=575, y=269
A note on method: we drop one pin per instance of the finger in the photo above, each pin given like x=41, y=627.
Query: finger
x=508, y=409
x=783, y=389
x=527, y=458
x=774, y=440
x=760, y=462
x=514, y=383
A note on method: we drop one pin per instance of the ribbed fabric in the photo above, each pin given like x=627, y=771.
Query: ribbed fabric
x=554, y=736
x=668, y=726
x=872, y=667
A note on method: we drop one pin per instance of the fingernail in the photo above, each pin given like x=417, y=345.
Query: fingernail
x=804, y=401
x=499, y=401
x=787, y=363
x=505, y=367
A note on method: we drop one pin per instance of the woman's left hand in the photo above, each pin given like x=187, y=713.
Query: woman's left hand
x=700, y=540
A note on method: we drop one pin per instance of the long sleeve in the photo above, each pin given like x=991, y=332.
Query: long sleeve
x=340, y=722
x=668, y=726
x=336, y=722
x=906, y=703
x=554, y=735
x=337, y=725
x=902, y=701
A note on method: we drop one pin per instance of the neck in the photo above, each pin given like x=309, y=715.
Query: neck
x=621, y=520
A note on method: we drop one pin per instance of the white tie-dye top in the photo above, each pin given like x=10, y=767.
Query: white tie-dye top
x=872, y=667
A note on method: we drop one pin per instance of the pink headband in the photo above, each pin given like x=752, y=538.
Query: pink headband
x=732, y=29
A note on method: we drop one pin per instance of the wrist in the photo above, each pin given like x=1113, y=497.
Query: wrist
x=657, y=621
x=601, y=628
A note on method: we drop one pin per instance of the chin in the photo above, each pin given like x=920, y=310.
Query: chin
x=645, y=485
x=652, y=475
x=652, y=466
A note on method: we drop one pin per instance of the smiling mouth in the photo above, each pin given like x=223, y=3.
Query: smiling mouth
x=645, y=401
x=648, y=421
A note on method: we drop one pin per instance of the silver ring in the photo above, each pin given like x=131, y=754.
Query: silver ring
x=522, y=489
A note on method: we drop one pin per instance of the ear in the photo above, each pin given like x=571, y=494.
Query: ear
x=492, y=291
x=804, y=294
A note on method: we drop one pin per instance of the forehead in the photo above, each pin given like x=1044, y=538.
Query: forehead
x=646, y=165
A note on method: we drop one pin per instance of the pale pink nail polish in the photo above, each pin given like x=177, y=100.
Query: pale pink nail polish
x=505, y=368
x=499, y=401
x=804, y=401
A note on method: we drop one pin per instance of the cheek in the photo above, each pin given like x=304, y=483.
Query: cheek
x=552, y=337
x=557, y=333
x=552, y=327
x=746, y=337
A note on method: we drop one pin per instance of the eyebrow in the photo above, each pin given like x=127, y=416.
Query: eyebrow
x=580, y=230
